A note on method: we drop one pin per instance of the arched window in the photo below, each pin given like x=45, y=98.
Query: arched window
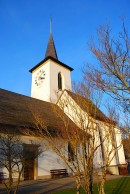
x=59, y=81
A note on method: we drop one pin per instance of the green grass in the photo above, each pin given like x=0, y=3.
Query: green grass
x=116, y=186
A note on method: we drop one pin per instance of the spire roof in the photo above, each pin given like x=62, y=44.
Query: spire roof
x=51, y=51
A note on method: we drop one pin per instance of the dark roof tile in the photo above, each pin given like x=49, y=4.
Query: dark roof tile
x=51, y=50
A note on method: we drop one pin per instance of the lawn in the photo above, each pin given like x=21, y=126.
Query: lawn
x=116, y=186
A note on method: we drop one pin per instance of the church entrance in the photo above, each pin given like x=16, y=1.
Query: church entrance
x=29, y=161
x=29, y=169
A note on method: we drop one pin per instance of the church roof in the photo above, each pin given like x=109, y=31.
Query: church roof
x=89, y=107
x=22, y=111
x=53, y=59
x=51, y=50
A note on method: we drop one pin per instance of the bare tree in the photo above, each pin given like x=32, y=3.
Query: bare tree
x=112, y=72
x=109, y=135
x=79, y=139
x=84, y=142
x=12, y=159
x=125, y=128
x=110, y=142
x=126, y=144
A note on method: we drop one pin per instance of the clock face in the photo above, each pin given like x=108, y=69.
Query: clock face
x=39, y=79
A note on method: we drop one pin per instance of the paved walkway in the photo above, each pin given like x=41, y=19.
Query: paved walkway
x=49, y=186
x=43, y=186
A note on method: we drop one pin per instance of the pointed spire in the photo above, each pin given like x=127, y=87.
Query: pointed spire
x=51, y=51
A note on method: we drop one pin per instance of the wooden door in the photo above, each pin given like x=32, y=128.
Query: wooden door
x=29, y=157
x=29, y=170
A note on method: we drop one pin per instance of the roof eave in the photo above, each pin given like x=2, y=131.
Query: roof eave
x=53, y=59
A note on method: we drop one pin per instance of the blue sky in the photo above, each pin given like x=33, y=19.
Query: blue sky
x=24, y=33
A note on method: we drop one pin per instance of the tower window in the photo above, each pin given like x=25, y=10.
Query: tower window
x=59, y=81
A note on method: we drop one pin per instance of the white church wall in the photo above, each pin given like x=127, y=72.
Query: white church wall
x=117, y=156
x=121, y=155
x=55, y=68
x=76, y=114
x=48, y=161
x=72, y=110
x=98, y=159
x=80, y=118
x=109, y=151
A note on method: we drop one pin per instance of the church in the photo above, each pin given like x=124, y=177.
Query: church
x=51, y=90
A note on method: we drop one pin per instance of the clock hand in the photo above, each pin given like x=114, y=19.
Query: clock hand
x=41, y=78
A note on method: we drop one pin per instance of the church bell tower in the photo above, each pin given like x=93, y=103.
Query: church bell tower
x=50, y=76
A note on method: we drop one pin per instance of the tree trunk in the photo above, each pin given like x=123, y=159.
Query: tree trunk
x=102, y=185
x=78, y=185
x=10, y=182
x=89, y=179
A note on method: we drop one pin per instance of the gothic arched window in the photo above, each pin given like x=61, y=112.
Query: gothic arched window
x=59, y=81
